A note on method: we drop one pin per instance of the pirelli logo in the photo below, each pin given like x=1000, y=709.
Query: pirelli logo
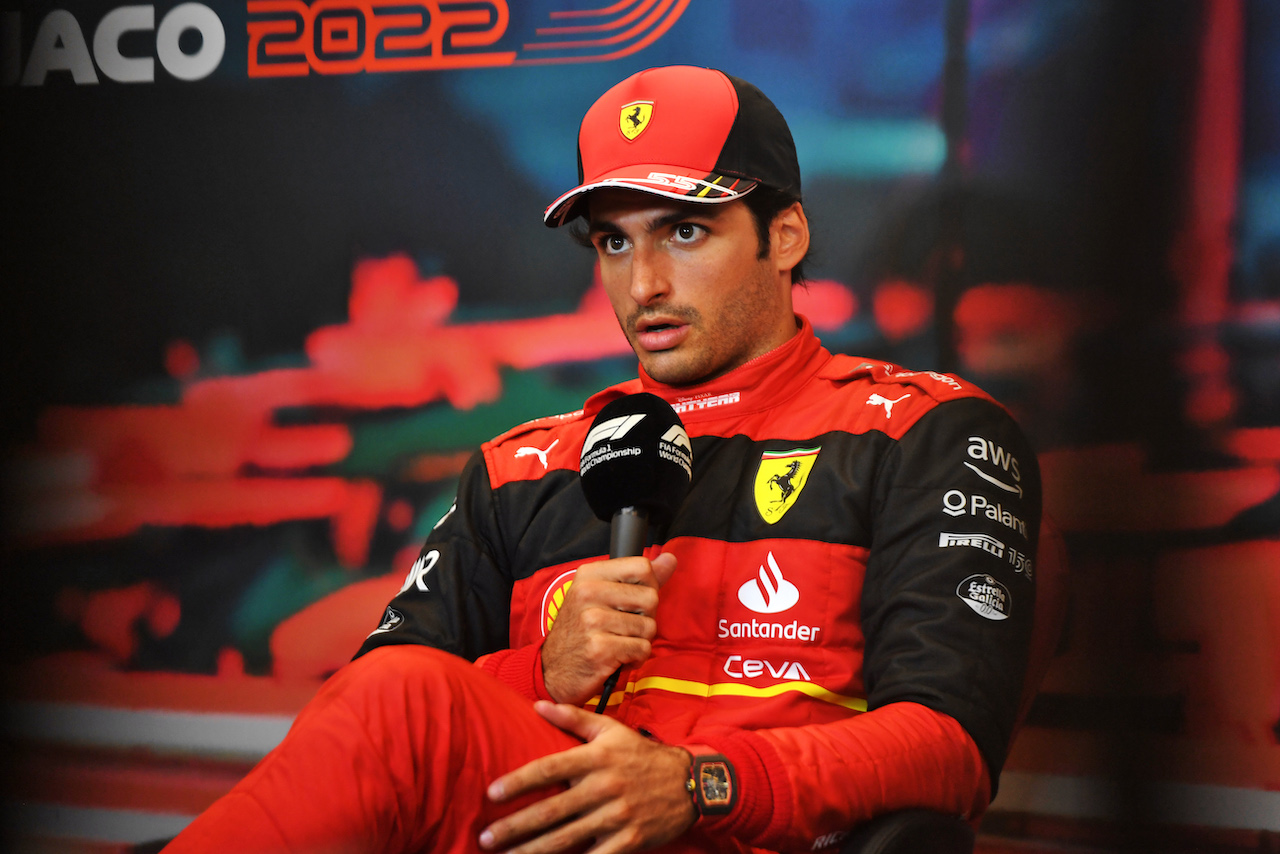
x=986, y=542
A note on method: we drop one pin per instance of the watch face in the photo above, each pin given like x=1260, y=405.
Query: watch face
x=715, y=785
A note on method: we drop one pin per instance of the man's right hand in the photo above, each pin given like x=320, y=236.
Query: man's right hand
x=606, y=621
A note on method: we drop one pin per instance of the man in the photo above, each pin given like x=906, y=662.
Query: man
x=834, y=624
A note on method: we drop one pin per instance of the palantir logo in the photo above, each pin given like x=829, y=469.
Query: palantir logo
x=769, y=593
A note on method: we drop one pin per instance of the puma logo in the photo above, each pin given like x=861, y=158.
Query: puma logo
x=527, y=451
x=878, y=400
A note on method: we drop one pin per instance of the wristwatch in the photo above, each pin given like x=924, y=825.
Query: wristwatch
x=712, y=784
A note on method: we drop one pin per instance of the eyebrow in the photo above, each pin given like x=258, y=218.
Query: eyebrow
x=605, y=226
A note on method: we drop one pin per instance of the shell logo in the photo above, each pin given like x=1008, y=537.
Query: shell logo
x=554, y=598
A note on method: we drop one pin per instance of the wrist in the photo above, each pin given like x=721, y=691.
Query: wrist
x=540, y=690
x=712, y=783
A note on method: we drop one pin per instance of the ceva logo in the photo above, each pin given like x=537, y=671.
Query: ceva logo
x=769, y=593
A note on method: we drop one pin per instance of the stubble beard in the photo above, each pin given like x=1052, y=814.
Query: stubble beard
x=739, y=323
x=665, y=366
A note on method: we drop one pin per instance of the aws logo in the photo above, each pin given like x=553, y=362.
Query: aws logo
x=553, y=600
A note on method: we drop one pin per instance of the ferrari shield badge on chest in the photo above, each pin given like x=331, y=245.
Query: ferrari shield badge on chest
x=780, y=479
x=633, y=118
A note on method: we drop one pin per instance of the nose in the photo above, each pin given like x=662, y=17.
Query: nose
x=650, y=276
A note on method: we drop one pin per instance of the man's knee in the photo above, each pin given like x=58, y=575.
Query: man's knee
x=404, y=663
x=400, y=670
x=423, y=688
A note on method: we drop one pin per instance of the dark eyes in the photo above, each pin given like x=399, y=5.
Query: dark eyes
x=688, y=232
x=681, y=233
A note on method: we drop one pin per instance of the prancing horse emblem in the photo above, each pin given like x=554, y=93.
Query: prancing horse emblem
x=633, y=118
x=784, y=481
x=780, y=479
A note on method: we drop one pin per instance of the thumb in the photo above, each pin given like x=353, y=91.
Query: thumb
x=663, y=566
x=574, y=720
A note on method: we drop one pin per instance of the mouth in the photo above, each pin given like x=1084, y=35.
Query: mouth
x=660, y=333
x=658, y=326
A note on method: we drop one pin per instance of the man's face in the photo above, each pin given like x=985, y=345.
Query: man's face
x=687, y=284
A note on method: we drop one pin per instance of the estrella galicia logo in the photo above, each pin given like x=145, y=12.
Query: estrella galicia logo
x=986, y=596
x=769, y=592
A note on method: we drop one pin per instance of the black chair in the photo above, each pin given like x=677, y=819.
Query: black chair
x=913, y=831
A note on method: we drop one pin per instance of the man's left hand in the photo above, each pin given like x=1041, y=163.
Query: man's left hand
x=626, y=791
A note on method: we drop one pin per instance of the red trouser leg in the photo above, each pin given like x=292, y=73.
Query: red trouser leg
x=393, y=755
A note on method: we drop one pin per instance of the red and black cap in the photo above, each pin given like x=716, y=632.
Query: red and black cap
x=693, y=134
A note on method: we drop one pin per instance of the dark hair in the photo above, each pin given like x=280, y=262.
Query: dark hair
x=765, y=203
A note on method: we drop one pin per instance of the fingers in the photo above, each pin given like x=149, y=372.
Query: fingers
x=607, y=620
x=544, y=815
x=574, y=720
x=631, y=570
x=550, y=825
x=663, y=566
x=626, y=792
x=559, y=767
x=538, y=774
x=616, y=596
x=626, y=570
x=569, y=818
x=625, y=618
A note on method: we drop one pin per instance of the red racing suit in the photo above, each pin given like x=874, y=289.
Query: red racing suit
x=851, y=611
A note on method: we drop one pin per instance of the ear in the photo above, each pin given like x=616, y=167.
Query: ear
x=789, y=237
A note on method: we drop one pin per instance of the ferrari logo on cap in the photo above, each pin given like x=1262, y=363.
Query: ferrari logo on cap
x=633, y=118
x=780, y=478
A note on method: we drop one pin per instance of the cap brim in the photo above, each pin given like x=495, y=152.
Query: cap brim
x=657, y=179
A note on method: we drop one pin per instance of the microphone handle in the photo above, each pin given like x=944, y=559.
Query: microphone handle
x=629, y=532
x=627, y=536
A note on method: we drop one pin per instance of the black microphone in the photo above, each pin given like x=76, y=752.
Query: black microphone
x=635, y=468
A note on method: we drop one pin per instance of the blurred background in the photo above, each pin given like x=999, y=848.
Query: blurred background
x=272, y=269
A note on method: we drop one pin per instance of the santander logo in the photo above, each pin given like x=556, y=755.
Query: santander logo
x=769, y=592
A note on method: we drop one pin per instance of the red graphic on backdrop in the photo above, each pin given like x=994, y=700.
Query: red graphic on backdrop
x=218, y=458
x=290, y=38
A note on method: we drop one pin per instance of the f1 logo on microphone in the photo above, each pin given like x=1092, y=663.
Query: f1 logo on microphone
x=614, y=428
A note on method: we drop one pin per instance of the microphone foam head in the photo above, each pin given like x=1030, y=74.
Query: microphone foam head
x=637, y=454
